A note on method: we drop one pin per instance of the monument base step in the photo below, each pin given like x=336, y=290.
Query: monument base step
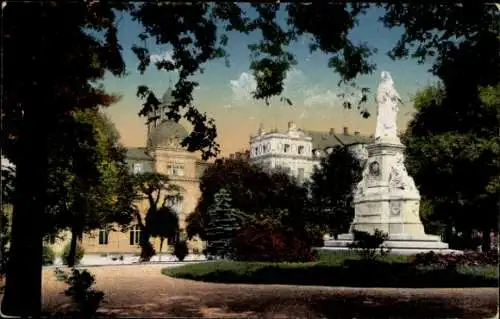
x=398, y=244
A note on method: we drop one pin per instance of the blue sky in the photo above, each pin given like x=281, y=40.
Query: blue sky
x=224, y=93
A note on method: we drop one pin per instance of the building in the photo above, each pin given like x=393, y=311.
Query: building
x=241, y=155
x=324, y=142
x=164, y=154
x=299, y=151
x=291, y=151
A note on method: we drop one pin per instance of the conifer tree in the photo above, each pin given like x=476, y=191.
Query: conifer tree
x=224, y=222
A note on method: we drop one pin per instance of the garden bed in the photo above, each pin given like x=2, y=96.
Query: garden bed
x=342, y=269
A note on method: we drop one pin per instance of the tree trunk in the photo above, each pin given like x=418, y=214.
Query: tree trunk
x=486, y=240
x=161, y=246
x=72, y=248
x=146, y=246
x=24, y=271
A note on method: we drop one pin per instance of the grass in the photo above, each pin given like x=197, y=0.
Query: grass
x=339, y=269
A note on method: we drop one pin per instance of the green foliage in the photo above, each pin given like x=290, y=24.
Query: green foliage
x=332, y=188
x=198, y=40
x=48, y=256
x=163, y=223
x=369, y=246
x=389, y=271
x=223, y=223
x=454, y=160
x=80, y=290
x=256, y=195
x=181, y=250
x=79, y=253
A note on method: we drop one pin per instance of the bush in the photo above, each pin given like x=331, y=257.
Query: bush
x=267, y=243
x=48, y=256
x=81, y=292
x=369, y=246
x=181, y=250
x=452, y=260
x=79, y=252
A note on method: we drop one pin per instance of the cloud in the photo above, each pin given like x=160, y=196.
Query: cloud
x=167, y=55
x=243, y=87
x=304, y=94
x=316, y=96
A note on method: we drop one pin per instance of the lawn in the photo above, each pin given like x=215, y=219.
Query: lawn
x=340, y=269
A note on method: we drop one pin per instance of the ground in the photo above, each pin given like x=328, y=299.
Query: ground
x=141, y=290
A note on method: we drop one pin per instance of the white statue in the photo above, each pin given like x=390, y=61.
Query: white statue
x=388, y=101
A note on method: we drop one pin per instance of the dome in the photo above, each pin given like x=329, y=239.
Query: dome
x=166, y=134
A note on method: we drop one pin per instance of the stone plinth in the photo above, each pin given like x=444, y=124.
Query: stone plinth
x=386, y=199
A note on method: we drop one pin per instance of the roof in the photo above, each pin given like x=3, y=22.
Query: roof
x=138, y=153
x=167, y=130
x=322, y=140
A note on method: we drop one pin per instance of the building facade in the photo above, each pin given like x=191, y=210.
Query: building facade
x=163, y=154
x=298, y=151
x=291, y=151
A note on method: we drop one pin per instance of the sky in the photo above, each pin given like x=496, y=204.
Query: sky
x=225, y=92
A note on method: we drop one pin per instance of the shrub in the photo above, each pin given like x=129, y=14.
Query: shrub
x=79, y=252
x=369, y=246
x=267, y=243
x=453, y=260
x=181, y=250
x=81, y=292
x=48, y=256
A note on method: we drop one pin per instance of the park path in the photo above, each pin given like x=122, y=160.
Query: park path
x=140, y=291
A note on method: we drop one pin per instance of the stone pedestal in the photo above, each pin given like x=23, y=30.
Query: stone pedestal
x=386, y=199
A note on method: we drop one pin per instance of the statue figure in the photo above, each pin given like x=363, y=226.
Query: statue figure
x=388, y=101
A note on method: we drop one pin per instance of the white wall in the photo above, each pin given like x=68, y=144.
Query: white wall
x=290, y=150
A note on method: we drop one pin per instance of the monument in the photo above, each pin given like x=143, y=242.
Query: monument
x=386, y=197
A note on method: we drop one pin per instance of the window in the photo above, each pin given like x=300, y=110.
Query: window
x=256, y=150
x=286, y=149
x=175, y=170
x=300, y=149
x=137, y=168
x=135, y=235
x=103, y=237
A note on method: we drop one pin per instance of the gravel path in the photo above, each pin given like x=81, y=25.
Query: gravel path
x=140, y=291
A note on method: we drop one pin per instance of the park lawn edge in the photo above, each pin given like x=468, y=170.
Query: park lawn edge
x=395, y=274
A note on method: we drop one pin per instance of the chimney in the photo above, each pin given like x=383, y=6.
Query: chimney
x=356, y=133
x=332, y=130
x=291, y=126
x=346, y=130
x=261, y=130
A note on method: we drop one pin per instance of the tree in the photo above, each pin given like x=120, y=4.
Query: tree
x=163, y=223
x=85, y=198
x=223, y=223
x=39, y=88
x=257, y=194
x=457, y=169
x=331, y=189
x=159, y=192
x=460, y=118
